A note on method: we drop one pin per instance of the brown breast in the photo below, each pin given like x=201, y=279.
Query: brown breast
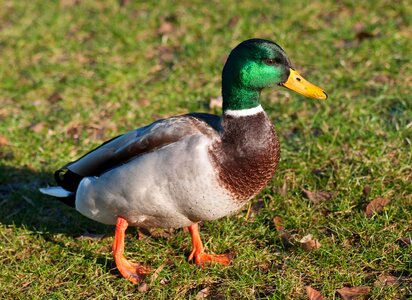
x=247, y=155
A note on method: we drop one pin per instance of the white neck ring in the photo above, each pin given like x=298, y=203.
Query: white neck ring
x=243, y=112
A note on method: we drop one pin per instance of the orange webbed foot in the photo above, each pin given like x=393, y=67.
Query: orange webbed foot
x=133, y=272
x=200, y=259
x=198, y=254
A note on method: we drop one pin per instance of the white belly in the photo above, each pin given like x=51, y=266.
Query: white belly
x=172, y=187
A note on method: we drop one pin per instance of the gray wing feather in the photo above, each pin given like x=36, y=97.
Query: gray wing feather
x=140, y=141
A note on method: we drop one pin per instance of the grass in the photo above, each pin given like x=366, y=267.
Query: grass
x=75, y=73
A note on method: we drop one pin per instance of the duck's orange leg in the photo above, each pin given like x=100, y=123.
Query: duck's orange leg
x=198, y=252
x=131, y=271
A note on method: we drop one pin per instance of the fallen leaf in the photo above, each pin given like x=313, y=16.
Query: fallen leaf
x=404, y=241
x=366, y=190
x=143, y=287
x=3, y=141
x=317, y=196
x=203, y=294
x=278, y=224
x=353, y=293
x=359, y=26
x=382, y=78
x=215, y=102
x=38, y=127
x=385, y=280
x=313, y=294
x=143, y=102
x=55, y=97
x=376, y=206
x=165, y=28
x=363, y=35
x=68, y=3
x=233, y=21
x=309, y=244
x=124, y=2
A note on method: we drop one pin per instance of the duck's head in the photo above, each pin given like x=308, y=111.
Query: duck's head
x=255, y=64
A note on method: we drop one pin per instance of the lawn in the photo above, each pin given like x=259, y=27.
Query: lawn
x=76, y=73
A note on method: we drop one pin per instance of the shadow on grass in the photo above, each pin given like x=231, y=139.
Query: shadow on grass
x=23, y=206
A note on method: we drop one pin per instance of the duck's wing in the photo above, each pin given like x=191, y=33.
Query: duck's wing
x=123, y=148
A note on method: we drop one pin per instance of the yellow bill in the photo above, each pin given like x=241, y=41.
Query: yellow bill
x=300, y=85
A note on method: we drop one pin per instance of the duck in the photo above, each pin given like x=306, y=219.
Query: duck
x=181, y=170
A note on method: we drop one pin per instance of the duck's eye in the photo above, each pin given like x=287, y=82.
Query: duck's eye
x=272, y=61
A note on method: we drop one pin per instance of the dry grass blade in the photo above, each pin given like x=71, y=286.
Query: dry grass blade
x=376, y=206
x=90, y=236
x=313, y=294
x=309, y=244
x=156, y=273
x=385, y=280
x=353, y=293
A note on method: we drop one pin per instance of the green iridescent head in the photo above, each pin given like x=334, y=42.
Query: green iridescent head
x=255, y=64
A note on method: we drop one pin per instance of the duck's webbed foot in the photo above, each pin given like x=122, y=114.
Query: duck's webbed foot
x=133, y=272
x=198, y=252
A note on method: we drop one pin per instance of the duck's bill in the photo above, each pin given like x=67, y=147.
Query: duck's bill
x=300, y=85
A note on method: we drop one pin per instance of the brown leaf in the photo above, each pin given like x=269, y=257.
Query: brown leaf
x=233, y=21
x=384, y=280
x=143, y=287
x=404, y=241
x=165, y=28
x=363, y=35
x=382, y=78
x=376, y=206
x=317, y=196
x=366, y=190
x=309, y=244
x=38, y=127
x=313, y=294
x=3, y=140
x=203, y=294
x=143, y=102
x=55, y=97
x=68, y=3
x=354, y=292
x=278, y=224
x=124, y=2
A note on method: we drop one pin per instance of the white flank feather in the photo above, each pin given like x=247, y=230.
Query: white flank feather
x=55, y=191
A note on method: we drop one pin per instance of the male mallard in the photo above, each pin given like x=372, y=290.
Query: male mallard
x=179, y=171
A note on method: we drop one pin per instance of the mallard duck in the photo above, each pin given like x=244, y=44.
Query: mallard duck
x=182, y=170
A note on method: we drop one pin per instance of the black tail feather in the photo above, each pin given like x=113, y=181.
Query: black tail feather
x=69, y=201
x=67, y=179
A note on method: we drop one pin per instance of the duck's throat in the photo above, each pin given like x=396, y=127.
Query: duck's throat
x=239, y=98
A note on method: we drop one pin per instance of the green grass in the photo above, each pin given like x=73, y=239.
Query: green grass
x=75, y=73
